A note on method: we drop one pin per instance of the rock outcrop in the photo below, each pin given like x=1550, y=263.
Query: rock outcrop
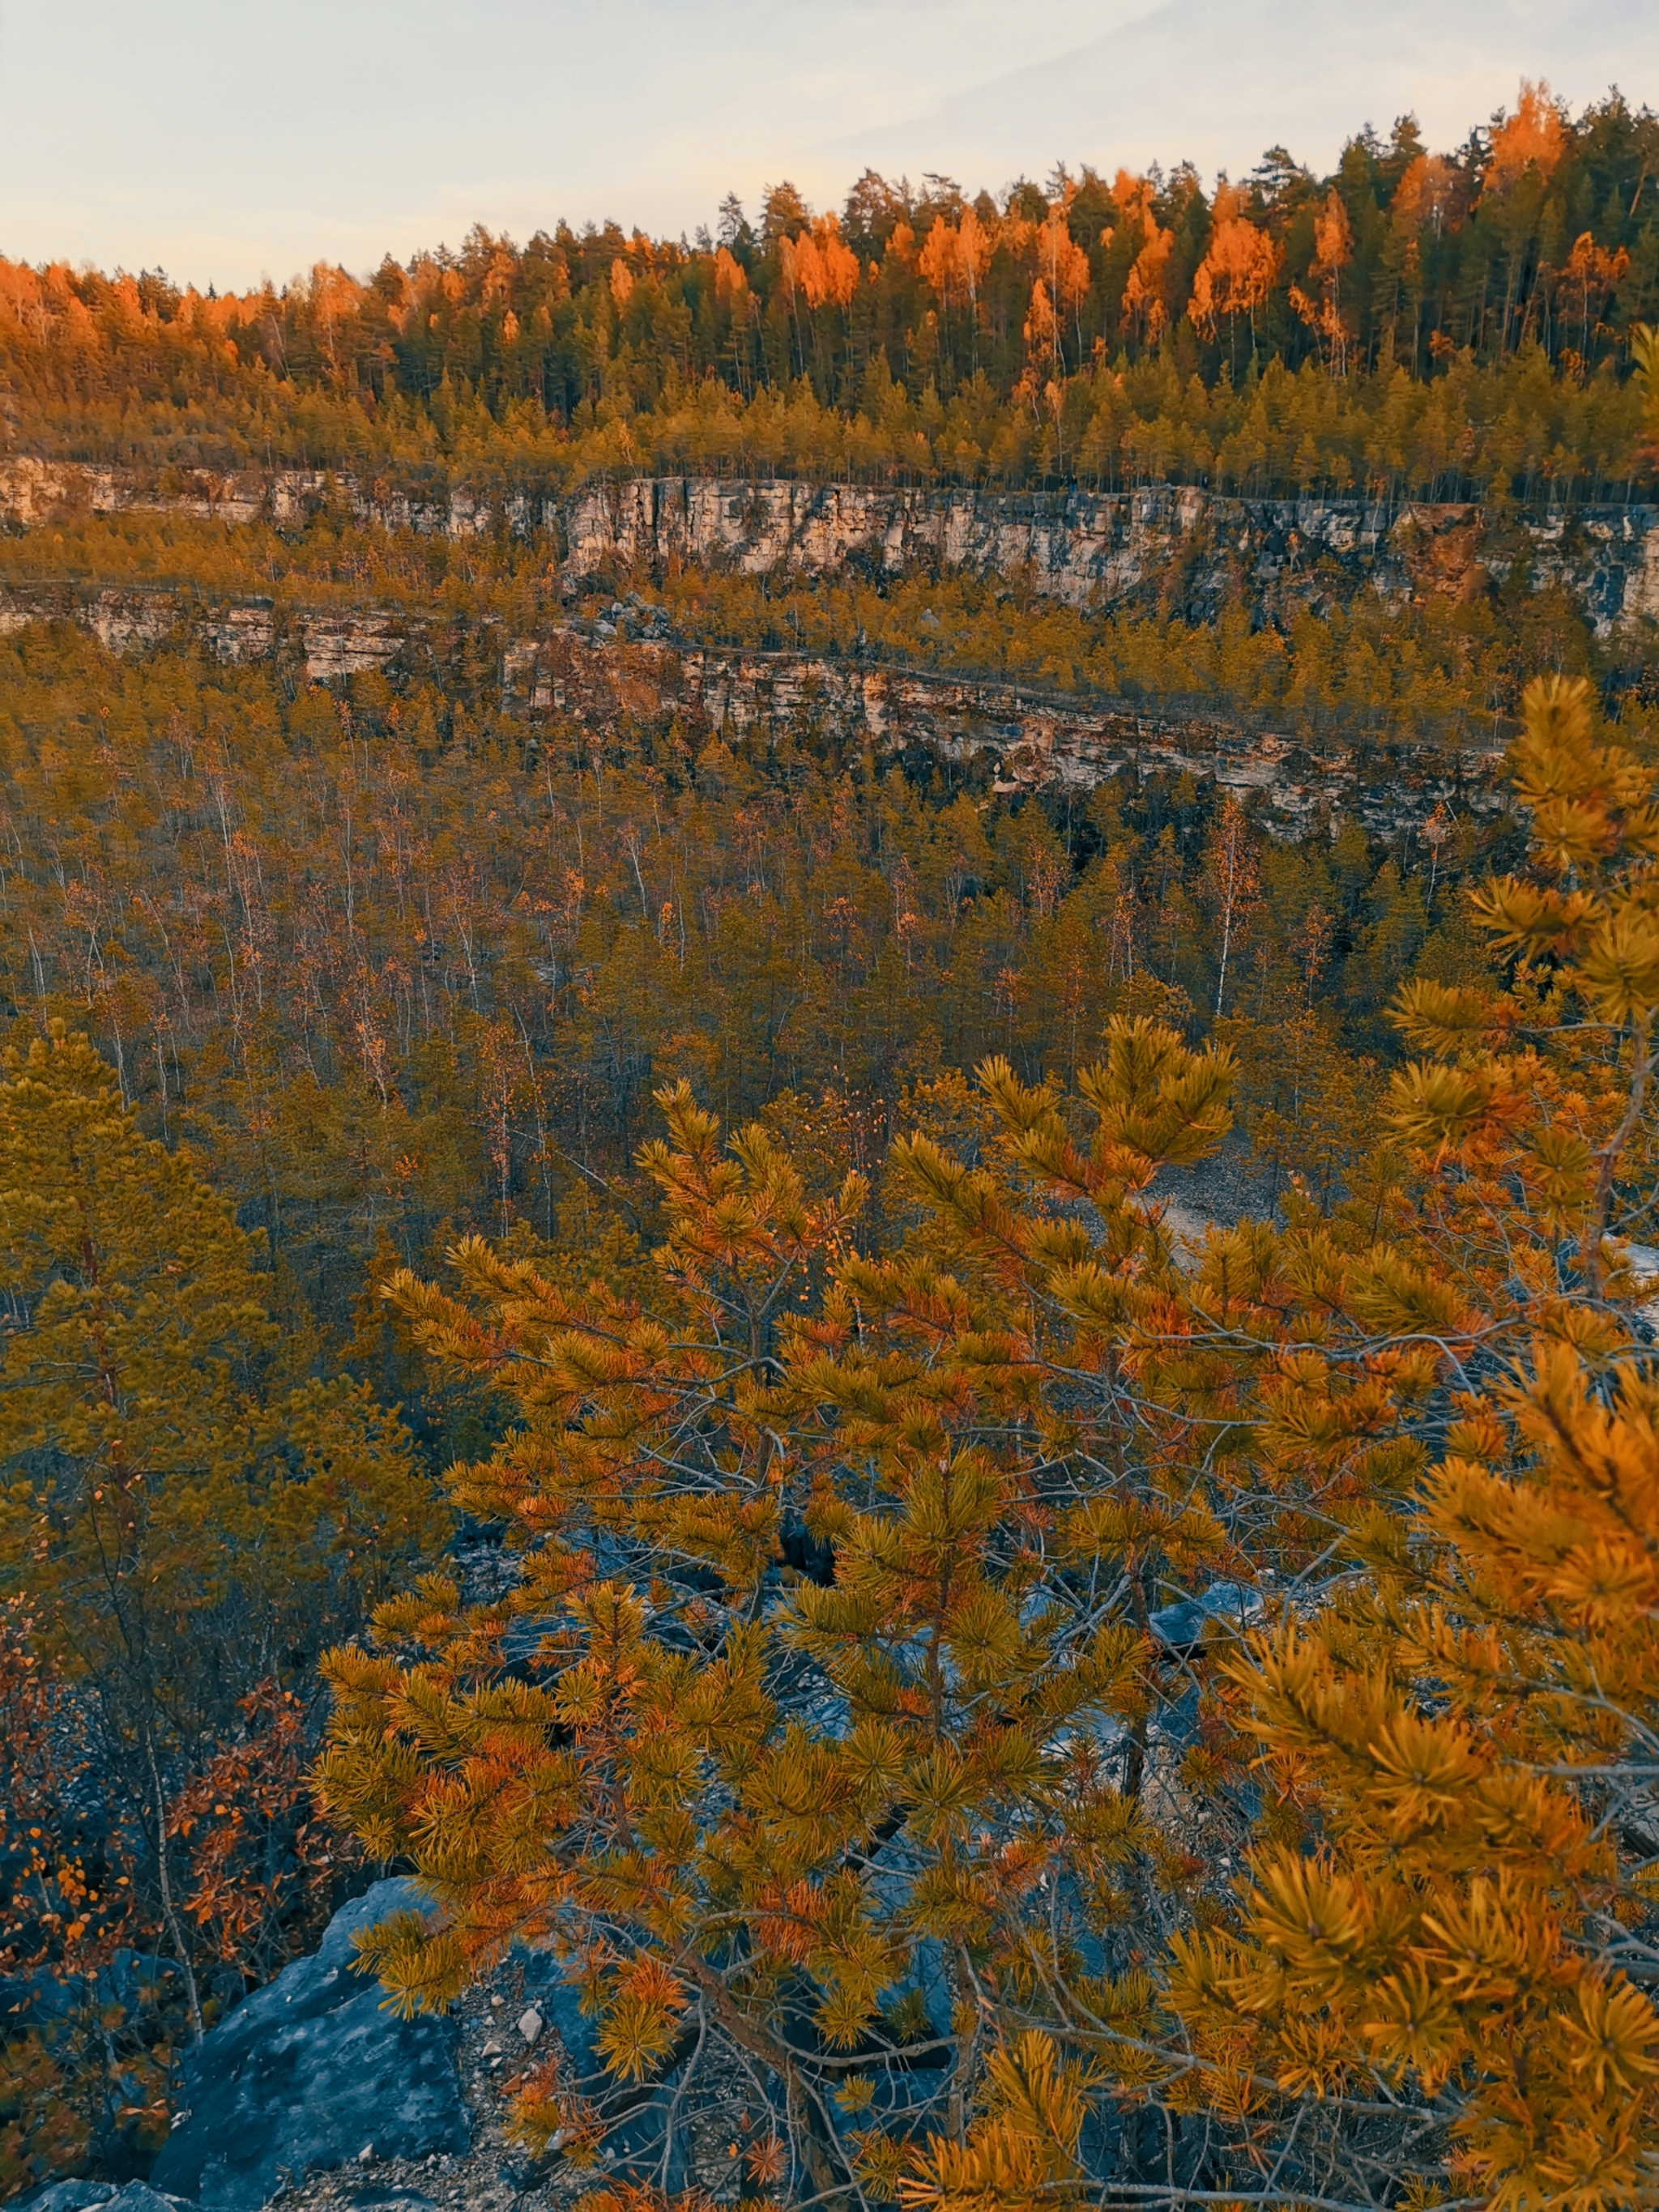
x=309, y=2073
x=1180, y=545
x=74, y=2197
x=312, y=2092
x=1012, y=737
x=83, y=2196
x=1022, y=737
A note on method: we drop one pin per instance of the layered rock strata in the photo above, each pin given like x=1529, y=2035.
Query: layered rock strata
x=1180, y=545
x=1008, y=736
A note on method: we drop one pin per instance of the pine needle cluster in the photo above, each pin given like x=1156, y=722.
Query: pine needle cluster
x=1052, y=1706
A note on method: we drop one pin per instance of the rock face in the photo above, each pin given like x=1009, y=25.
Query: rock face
x=1023, y=738
x=67, y=2197
x=132, y=617
x=1190, y=548
x=1103, y=549
x=35, y=491
x=308, y=2072
x=139, y=2197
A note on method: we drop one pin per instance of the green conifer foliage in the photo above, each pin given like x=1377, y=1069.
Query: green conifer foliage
x=814, y=1821
x=183, y=1518
x=861, y=1737
x=137, y=1327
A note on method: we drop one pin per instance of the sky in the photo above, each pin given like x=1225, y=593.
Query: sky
x=225, y=141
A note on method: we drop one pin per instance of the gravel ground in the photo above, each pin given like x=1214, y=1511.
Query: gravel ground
x=1228, y=1188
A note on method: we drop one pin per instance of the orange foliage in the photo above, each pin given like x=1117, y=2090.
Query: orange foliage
x=1333, y=237
x=263, y=1864
x=954, y=260
x=20, y=295
x=1144, y=291
x=1533, y=138
x=975, y=243
x=622, y=282
x=937, y=261
x=731, y=285
x=1333, y=251
x=51, y=1913
x=332, y=293
x=1059, y=287
x=68, y=1911
x=1064, y=264
x=820, y=264
x=1588, y=277
x=334, y=296
x=1042, y=324
x=1240, y=267
x=1429, y=194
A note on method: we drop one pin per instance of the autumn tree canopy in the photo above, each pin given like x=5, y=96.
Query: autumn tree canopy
x=601, y=350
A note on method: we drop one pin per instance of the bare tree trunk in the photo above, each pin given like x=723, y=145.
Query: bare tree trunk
x=169, y=1910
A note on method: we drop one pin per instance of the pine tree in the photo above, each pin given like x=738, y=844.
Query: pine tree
x=1434, y=1978
x=813, y=1817
x=178, y=1514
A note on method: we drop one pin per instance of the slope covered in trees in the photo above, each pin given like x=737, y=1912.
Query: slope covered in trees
x=401, y=972
x=989, y=1450
x=397, y=957
x=1437, y=325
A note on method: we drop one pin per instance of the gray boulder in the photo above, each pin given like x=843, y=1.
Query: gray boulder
x=308, y=2072
x=1180, y=1626
x=66, y=2196
x=138, y=2197
x=82, y=2196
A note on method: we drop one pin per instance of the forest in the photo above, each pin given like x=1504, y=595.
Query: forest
x=984, y=1453
x=1436, y=325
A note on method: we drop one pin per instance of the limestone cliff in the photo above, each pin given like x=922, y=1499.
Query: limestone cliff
x=1186, y=547
x=1011, y=735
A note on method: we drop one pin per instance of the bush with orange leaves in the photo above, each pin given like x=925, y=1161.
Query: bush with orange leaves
x=84, y=2057
x=265, y=1869
x=97, y=2008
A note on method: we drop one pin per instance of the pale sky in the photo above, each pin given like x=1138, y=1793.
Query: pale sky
x=224, y=141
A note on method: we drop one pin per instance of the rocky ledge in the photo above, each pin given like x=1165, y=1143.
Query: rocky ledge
x=1006, y=735
x=1009, y=736
x=1178, y=545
